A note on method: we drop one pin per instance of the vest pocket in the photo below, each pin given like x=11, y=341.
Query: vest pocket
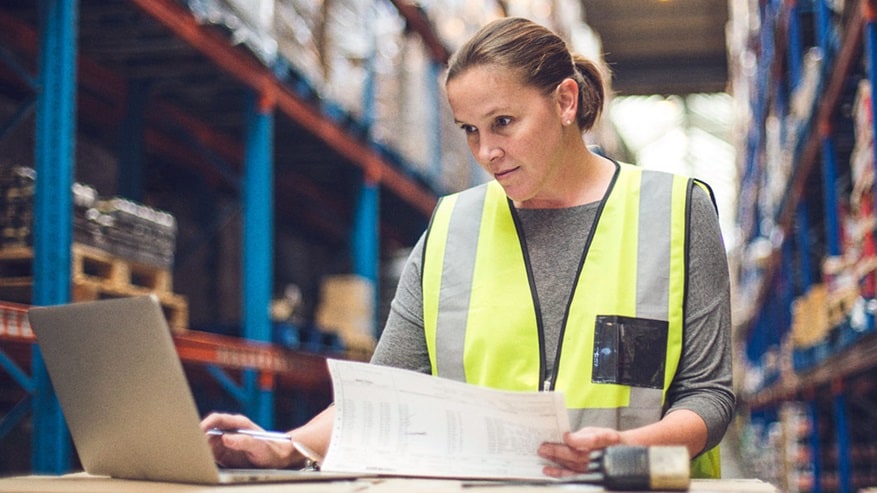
x=630, y=351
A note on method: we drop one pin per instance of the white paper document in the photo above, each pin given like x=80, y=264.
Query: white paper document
x=399, y=422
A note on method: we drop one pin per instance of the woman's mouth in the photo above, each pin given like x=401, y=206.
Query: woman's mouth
x=503, y=174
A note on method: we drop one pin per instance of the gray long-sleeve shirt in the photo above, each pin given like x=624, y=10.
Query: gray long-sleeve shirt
x=556, y=237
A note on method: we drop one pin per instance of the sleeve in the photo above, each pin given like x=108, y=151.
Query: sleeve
x=703, y=381
x=402, y=343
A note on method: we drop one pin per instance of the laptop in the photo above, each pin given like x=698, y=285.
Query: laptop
x=126, y=398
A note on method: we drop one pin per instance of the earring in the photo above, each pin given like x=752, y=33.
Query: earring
x=568, y=122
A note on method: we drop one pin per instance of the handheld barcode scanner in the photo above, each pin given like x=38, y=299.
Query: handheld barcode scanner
x=633, y=468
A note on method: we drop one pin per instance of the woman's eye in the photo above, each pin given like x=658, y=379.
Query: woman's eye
x=503, y=121
x=469, y=129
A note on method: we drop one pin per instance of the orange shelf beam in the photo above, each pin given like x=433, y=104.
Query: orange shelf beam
x=304, y=370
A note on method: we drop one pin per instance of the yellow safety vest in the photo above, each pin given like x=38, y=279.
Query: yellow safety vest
x=622, y=337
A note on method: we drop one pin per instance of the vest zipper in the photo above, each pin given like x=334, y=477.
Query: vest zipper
x=540, y=331
x=549, y=380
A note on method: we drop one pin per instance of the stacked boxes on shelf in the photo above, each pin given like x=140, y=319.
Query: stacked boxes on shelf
x=16, y=206
x=126, y=229
x=861, y=224
x=826, y=320
x=139, y=233
x=848, y=279
x=87, y=226
x=120, y=248
x=789, y=466
x=347, y=308
x=17, y=188
x=797, y=464
x=758, y=437
x=121, y=227
x=810, y=327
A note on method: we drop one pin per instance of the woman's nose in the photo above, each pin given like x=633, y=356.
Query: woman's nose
x=488, y=151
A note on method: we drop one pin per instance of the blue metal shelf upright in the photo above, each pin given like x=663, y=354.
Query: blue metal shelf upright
x=53, y=221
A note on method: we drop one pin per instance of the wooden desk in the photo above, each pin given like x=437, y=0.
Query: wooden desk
x=82, y=483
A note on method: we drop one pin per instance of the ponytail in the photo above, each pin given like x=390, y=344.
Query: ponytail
x=592, y=91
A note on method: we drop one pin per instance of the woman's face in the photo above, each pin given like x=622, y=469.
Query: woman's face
x=514, y=131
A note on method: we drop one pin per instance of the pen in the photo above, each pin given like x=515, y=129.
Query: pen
x=313, y=459
x=271, y=436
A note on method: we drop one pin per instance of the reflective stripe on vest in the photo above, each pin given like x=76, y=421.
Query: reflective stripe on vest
x=481, y=315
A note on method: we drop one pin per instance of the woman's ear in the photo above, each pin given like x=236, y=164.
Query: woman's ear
x=567, y=94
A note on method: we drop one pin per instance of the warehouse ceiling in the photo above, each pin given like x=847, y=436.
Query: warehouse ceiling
x=662, y=46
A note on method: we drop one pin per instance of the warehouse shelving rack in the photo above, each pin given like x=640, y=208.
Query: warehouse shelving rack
x=831, y=379
x=52, y=95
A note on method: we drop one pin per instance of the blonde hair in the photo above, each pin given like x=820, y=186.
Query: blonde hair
x=539, y=56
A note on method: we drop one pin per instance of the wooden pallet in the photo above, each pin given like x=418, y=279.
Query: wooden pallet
x=94, y=263
x=88, y=262
x=95, y=275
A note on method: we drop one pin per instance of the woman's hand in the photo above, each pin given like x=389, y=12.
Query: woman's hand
x=681, y=427
x=572, y=456
x=240, y=450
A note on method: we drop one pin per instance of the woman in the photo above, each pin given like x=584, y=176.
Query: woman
x=567, y=272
